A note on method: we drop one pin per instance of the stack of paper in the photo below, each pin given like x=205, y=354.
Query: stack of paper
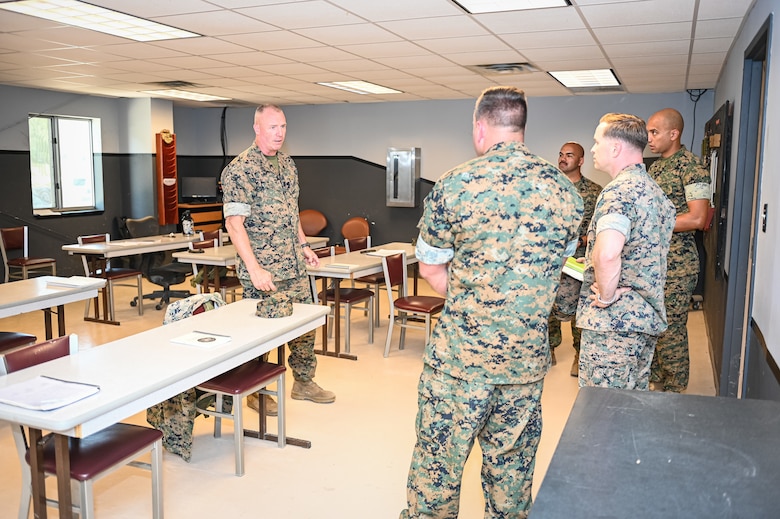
x=45, y=393
x=73, y=281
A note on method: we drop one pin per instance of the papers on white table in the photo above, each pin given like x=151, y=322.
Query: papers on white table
x=201, y=339
x=72, y=281
x=337, y=266
x=44, y=393
x=384, y=252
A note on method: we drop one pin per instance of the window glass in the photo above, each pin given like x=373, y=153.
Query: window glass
x=65, y=164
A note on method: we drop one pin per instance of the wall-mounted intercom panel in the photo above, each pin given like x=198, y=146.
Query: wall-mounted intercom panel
x=403, y=174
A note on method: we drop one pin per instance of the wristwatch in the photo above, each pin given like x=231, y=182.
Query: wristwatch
x=306, y=245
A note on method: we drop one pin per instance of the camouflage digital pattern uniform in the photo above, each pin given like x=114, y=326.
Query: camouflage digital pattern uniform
x=617, y=341
x=268, y=198
x=507, y=216
x=683, y=179
x=569, y=291
x=175, y=417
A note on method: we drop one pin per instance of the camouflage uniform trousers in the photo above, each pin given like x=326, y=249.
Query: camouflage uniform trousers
x=616, y=359
x=564, y=309
x=671, y=364
x=302, y=360
x=507, y=421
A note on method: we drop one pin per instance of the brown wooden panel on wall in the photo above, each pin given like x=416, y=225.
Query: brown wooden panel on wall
x=167, y=179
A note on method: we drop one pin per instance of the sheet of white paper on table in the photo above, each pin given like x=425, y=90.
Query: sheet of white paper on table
x=45, y=393
x=201, y=339
x=337, y=266
x=384, y=252
x=72, y=281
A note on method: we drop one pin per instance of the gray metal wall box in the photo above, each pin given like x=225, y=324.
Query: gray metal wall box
x=403, y=173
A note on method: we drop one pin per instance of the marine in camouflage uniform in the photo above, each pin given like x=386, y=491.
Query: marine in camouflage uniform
x=570, y=160
x=686, y=183
x=175, y=417
x=497, y=227
x=262, y=189
x=619, y=331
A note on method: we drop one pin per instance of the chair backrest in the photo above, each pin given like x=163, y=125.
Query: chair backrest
x=394, y=267
x=34, y=354
x=212, y=235
x=354, y=244
x=204, y=244
x=312, y=222
x=146, y=226
x=93, y=266
x=355, y=227
x=15, y=238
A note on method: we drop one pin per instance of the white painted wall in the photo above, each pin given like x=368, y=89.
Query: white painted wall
x=442, y=129
x=766, y=291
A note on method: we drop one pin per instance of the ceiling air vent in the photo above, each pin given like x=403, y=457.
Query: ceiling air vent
x=500, y=69
x=173, y=84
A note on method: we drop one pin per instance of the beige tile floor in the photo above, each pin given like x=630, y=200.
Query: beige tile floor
x=361, y=444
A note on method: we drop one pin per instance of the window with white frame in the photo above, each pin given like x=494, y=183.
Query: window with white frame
x=66, y=173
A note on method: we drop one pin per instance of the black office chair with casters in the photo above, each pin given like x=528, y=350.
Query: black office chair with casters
x=158, y=267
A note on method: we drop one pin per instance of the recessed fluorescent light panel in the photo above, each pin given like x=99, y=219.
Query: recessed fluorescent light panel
x=586, y=78
x=361, y=87
x=183, y=94
x=72, y=12
x=497, y=6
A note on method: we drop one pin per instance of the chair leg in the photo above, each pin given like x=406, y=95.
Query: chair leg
x=403, y=316
x=371, y=320
x=281, y=416
x=86, y=500
x=389, y=338
x=157, y=491
x=238, y=433
x=217, y=420
x=377, y=323
x=347, y=322
x=140, y=295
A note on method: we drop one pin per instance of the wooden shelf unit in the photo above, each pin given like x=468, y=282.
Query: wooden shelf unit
x=207, y=217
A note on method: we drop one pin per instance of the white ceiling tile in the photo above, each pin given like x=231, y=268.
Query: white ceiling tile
x=643, y=33
x=536, y=40
x=465, y=44
x=559, y=53
x=430, y=28
x=216, y=23
x=651, y=12
x=722, y=27
x=313, y=13
x=377, y=11
x=385, y=50
x=536, y=20
x=358, y=33
x=711, y=9
x=664, y=48
x=273, y=40
x=712, y=44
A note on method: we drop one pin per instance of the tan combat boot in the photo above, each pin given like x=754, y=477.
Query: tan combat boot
x=575, y=366
x=311, y=391
x=271, y=408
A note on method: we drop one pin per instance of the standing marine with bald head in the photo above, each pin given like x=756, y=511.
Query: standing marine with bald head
x=570, y=160
x=687, y=184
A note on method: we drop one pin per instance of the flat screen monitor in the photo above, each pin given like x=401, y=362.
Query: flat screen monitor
x=198, y=189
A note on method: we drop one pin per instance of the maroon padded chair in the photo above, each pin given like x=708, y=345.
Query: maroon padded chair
x=11, y=340
x=211, y=276
x=90, y=457
x=394, y=267
x=98, y=267
x=15, y=241
x=349, y=297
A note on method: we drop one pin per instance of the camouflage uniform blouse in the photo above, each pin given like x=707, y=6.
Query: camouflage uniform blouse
x=633, y=196
x=508, y=217
x=252, y=187
x=589, y=191
x=682, y=178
